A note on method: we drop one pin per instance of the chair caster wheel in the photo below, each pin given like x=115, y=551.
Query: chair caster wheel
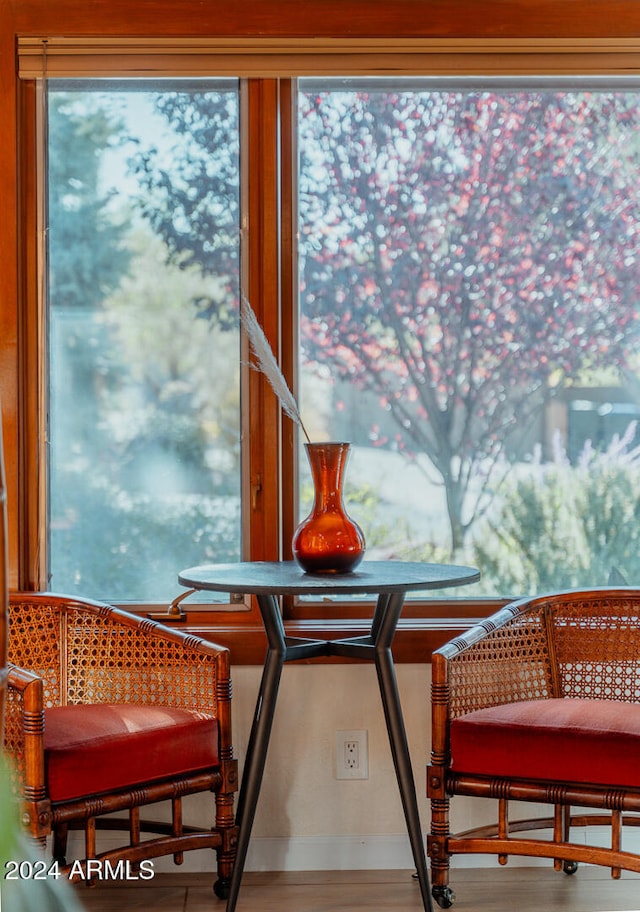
x=569, y=867
x=444, y=896
x=222, y=888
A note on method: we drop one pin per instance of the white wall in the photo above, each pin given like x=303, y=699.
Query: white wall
x=306, y=818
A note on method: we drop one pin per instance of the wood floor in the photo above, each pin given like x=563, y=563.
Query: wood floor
x=511, y=889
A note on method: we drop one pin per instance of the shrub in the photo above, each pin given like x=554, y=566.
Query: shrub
x=561, y=526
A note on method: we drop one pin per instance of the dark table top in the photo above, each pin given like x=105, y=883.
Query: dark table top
x=287, y=578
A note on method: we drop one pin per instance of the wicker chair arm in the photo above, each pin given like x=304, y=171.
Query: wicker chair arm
x=19, y=678
x=24, y=727
x=504, y=659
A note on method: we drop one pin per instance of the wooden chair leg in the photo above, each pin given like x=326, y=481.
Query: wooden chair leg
x=569, y=867
x=616, y=839
x=503, y=826
x=437, y=848
x=226, y=825
x=90, y=838
x=176, y=827
x=59, y=852
x=134, y=833
x=559, y=829
x=90, y=846
x=134, y=826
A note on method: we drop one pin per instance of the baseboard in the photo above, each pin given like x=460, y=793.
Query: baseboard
x=330, y=853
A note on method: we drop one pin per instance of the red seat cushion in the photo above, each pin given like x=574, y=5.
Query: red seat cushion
x=565, y=740
x=91, y=748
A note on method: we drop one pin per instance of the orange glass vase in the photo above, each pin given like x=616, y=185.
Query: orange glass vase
x=328, y=540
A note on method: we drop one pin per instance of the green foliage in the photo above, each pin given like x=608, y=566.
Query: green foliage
x=184, y=369
x=8, y=815
x=118, y=546
x=85, y=241
x=561, y=526
x=193, y=204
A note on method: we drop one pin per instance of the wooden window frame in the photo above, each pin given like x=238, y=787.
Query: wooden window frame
x=271, y=450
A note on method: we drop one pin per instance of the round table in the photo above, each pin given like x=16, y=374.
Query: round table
x=389, y=581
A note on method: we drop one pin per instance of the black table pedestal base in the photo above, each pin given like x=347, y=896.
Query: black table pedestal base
x=376, y=647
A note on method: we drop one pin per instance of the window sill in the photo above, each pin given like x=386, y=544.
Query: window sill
x=414, y=642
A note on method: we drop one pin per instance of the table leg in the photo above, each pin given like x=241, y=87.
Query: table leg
x=254, y=766
x=402, y=763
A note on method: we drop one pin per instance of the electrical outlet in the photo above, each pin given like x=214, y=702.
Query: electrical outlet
x=352, y=755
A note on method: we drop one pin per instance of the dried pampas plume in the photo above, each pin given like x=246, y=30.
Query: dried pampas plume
x=269, y=366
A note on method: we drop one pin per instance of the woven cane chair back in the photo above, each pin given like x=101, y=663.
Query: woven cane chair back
x=584, y=644
x=84, y=657
x=597, y=645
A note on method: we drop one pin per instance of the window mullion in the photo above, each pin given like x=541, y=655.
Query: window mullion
x=289, y=302
x=261, y=284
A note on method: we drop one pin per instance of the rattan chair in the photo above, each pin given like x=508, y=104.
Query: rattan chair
x=108, y=711
x=539, y=703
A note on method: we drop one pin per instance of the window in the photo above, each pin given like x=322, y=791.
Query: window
x=446, y=267
x=143, y=266
x=469, y=319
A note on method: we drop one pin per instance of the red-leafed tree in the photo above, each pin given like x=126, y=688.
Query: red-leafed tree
x=464, y=256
